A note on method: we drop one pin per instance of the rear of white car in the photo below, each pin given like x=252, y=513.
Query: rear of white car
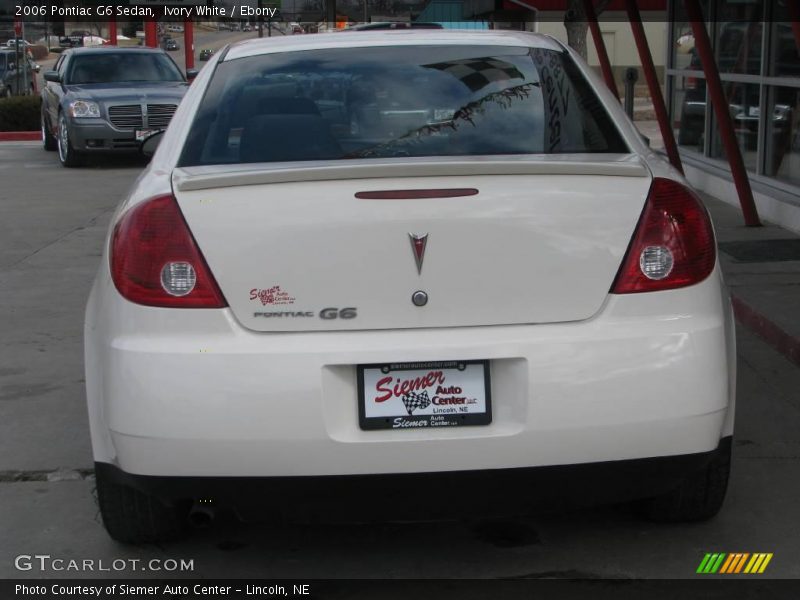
x=359, y=258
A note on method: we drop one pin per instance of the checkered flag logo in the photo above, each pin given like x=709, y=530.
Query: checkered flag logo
x=414, y=400
x=477, y=73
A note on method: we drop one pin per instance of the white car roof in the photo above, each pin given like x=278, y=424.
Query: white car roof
x=362, y=39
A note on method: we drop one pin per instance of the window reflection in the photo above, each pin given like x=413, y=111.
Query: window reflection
x=785, y=50
x=752, y=41
x=689, y=112
x=783, y=145
x=739, y=37
x=743, y=103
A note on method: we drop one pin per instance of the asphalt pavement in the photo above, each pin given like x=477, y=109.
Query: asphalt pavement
x=53, y=223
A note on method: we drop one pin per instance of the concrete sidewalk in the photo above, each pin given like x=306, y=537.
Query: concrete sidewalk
x=762, y=269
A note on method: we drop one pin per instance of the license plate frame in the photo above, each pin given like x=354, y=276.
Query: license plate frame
x=398, y=414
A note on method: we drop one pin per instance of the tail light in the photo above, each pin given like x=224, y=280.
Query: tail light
x=155, y=260
x=691, y=83
x=673, y=245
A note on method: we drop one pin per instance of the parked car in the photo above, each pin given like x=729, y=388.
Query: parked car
x=74, y=39
x=206, y=54
x=14, y=81
x=107, y=99
x=18, y=42
x=408, y=265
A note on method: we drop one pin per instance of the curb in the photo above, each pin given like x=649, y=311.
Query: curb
x=772, y=334
x=20, y=136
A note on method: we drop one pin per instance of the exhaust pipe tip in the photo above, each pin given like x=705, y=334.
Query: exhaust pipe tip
x=201, y=515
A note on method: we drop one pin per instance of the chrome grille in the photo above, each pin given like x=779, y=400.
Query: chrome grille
x=159, y=115
x=128, y=116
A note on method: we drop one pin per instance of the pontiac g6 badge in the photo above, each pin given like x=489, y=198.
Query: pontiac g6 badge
x=418, y=243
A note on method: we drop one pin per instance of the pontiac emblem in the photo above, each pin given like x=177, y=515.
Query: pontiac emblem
x=418, y=243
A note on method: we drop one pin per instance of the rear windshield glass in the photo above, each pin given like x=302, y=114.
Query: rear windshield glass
x=122, y=67
x=396, y=102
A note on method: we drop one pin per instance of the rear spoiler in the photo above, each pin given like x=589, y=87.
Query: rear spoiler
x=186, y=179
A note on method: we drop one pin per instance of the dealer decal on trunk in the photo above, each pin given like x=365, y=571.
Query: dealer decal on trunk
x=273, y=295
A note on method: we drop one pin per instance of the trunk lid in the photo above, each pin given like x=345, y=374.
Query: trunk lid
x=294, y=249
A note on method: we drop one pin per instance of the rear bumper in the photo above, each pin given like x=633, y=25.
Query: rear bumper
x=190, y=393
x=447, y=495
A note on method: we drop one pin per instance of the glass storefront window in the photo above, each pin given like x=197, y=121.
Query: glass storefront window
x=684, y=56
x=689, y=112
x=784, y=52
x=743, y=101
x=783, y=135
x=756, y=47
x=739, y=36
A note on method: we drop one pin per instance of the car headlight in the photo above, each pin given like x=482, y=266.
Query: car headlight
x=84, y=108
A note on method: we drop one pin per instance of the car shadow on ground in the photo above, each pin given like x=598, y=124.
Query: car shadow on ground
x=514, y=545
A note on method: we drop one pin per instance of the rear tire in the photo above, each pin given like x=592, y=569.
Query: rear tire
x=699, y=497
x=133, y=517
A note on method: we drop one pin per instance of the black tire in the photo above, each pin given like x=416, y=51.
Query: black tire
x=48, y=139
x=133, y=517
x=699, y=497
x=66, y=153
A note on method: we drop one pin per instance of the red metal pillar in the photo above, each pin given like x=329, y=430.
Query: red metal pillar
x=112, y=30
x=649, y=68
x=714, y=86
x=600, y=46
x=188, y=42
x=150, y=33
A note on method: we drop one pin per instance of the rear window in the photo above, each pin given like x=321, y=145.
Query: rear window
x=397, y=102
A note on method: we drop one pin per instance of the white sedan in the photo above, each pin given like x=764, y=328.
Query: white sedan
x=417, y=257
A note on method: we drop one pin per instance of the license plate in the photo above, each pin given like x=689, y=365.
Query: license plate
x=424, y=395
x=143, y=134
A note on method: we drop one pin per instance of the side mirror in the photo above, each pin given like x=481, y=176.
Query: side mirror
x=149, y=144
x=52, y=76
x=191, y=74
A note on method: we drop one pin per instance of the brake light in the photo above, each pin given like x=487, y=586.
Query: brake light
x=155, y=260
x=673, y=245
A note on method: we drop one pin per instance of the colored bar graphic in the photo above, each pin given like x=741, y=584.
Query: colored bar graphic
x=765, y=563
x=741, y=562
x=711, y=562
x=703, y=563
x=729, y=564
x=754, y=563
x=718, y=563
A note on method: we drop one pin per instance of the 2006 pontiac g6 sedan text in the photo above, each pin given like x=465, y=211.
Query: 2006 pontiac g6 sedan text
x=399, y=261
